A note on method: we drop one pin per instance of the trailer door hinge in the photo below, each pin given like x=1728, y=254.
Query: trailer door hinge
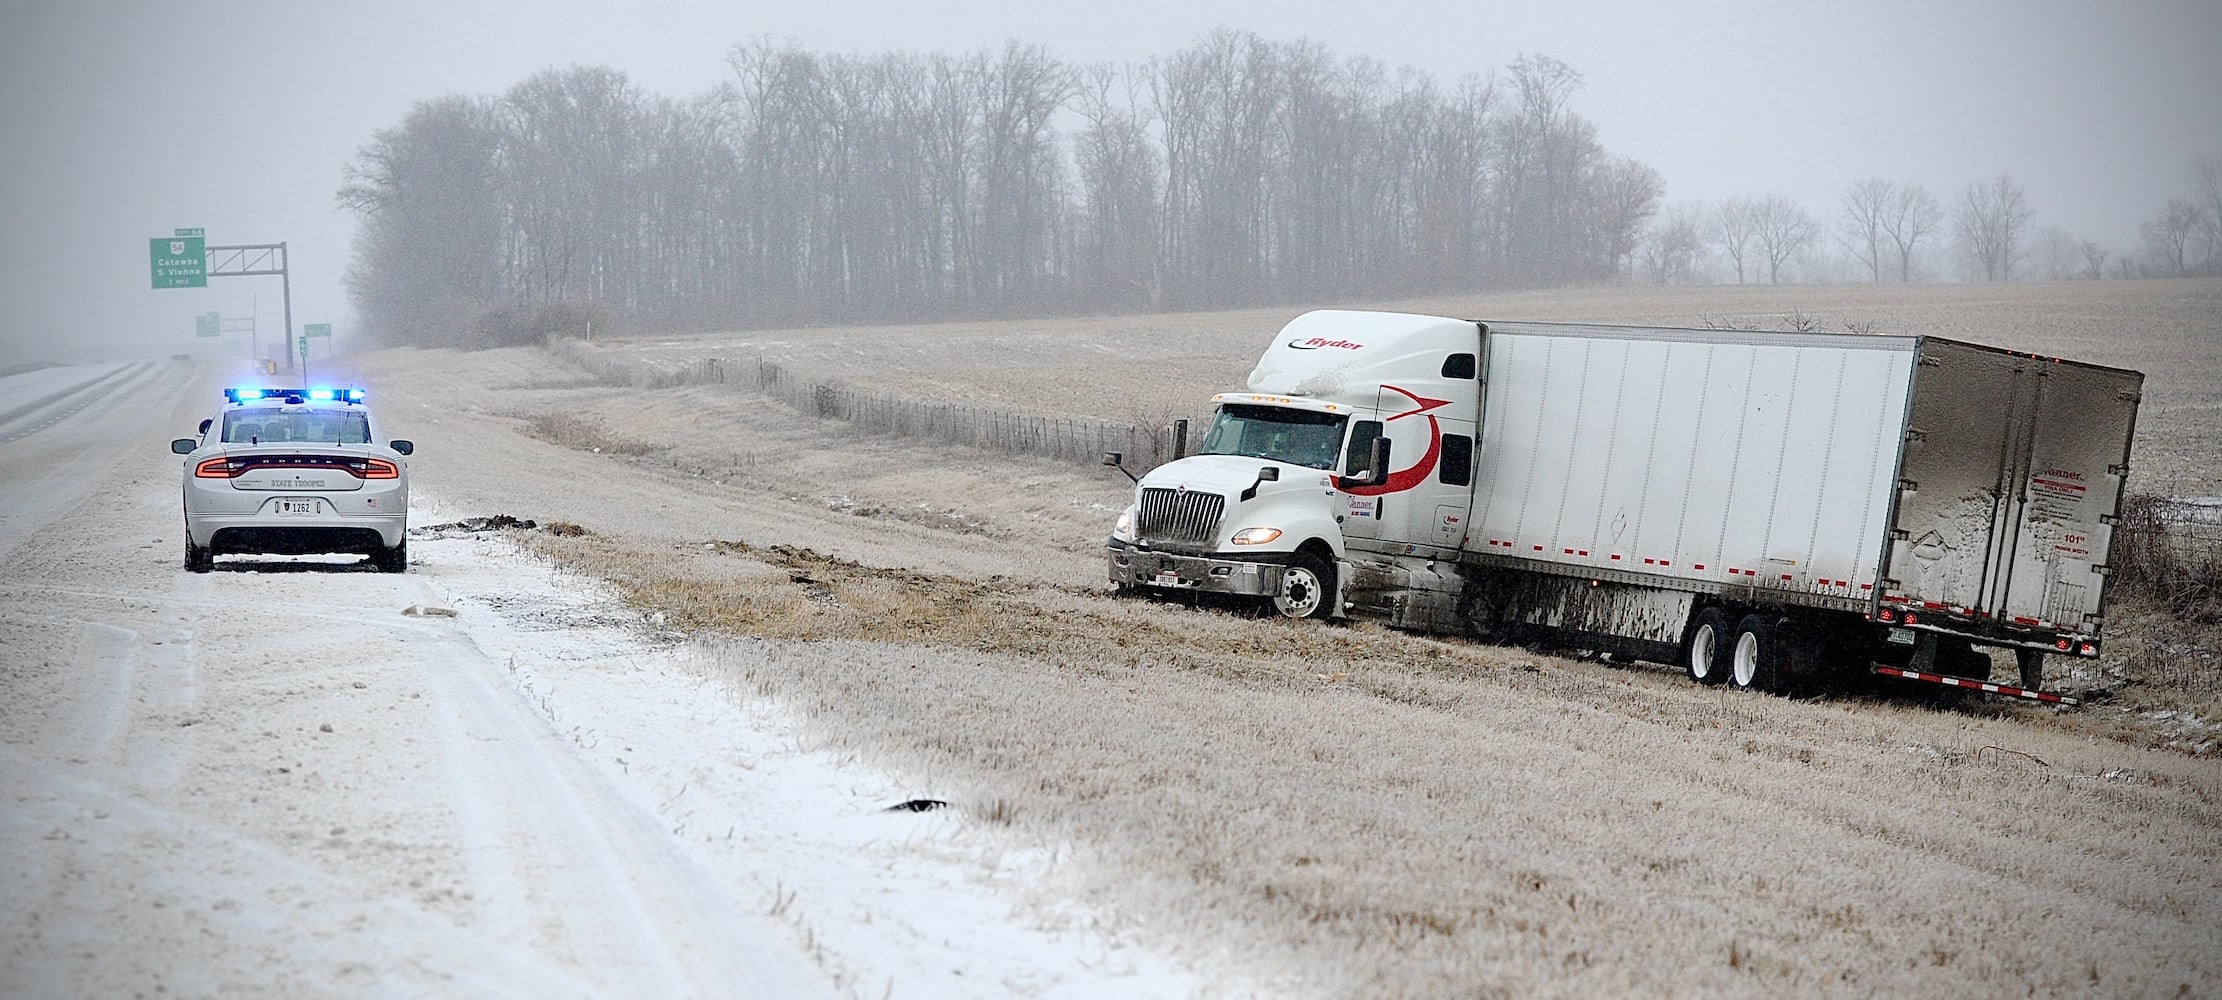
x=2130, y=396
x=1909, y=486
x=2118, y=470
x=2110, y=520
x=2103, y=570
x=1931, y=361
x=1916, y=434
x=1900, y=534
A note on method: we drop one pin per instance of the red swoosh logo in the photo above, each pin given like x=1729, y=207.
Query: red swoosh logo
x=1404, y=479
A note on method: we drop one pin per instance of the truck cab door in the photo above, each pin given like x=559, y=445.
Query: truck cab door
x=1420, y=505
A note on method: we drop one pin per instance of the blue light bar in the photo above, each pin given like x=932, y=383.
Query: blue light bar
x=248, y=395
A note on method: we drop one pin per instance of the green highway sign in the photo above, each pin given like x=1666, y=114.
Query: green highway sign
x=316, y=329
x=178, y=261
x=208, y=325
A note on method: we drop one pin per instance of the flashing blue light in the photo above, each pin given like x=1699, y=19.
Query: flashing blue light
x=246, y=395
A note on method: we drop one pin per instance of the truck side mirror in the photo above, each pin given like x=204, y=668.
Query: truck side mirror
x=1115, y=459
x=183, y=446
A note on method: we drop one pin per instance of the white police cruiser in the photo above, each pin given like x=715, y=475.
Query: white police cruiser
x=295, y=472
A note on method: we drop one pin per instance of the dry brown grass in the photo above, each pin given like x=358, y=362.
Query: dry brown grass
x=1366, y=812
x=1110, y=368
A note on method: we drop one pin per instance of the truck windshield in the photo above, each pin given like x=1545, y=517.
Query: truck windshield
x=1298, y=437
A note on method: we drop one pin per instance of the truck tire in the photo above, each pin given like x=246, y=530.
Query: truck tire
x=1754, y=663
x=1702, y=656
x=1307, y=588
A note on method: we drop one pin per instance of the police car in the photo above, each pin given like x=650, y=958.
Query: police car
x=295, y=472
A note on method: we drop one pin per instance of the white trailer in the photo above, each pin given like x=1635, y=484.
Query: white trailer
x=1754, y=506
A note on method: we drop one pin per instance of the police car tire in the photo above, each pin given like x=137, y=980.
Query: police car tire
x=197, y=559
x=393, y=560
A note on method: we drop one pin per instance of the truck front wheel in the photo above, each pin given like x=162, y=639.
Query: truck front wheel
x=1307, y=588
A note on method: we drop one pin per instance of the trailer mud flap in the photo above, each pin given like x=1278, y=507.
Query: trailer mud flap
x=1974, y=685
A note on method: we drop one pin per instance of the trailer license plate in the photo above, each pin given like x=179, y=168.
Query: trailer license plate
x=1901, y=636
x=297, y=506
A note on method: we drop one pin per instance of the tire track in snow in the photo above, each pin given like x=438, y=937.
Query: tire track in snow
x=559, y=856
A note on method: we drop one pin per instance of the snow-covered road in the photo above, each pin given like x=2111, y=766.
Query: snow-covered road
x=483, y=777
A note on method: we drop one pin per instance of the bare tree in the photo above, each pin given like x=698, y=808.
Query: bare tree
x=2206, y=172
x=1912, y=216
x=1867, y=206
x=2094, y=260
x=2058, y=251
x=1735, y=226
x=2169, y=235
x=1782, y=228
x=1994, y=215
x=1671, y=248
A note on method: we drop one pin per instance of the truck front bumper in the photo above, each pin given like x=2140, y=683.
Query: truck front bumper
x=1256, y=575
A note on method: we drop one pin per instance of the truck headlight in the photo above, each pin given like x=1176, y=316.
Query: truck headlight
x=1126, y=524
x=1256, y=536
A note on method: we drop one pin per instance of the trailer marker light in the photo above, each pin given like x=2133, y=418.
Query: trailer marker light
x=1665, y=562
x=1539, y=548
x=1888, y=614
x=1912, y=619
x=1701, y=566
x=1651, y=562
x=1583, y=553
x=2062, y=644
x=1616, y=557
x=2090, y=649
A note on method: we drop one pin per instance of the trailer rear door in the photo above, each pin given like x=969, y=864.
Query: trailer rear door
x=2011, y=480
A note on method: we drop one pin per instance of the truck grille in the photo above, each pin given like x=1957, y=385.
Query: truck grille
x=1179, y=517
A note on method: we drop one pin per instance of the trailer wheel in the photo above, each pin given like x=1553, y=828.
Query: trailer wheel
x=1755, y=662
x=1307, y=588
x=1701, y=656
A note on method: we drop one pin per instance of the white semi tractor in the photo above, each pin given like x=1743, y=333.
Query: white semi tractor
x=1756, y=507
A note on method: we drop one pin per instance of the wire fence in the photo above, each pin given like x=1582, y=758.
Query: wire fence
x=1059, y=438
x=2171, y=550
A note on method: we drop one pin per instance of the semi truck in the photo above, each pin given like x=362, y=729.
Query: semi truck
x=1764, y=509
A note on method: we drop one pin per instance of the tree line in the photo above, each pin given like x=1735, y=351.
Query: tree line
x=816, y=188
x=1887, y=230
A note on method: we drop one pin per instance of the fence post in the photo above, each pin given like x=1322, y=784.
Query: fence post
x=1180, y=437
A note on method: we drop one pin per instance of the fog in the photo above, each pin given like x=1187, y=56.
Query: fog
x=123, y=122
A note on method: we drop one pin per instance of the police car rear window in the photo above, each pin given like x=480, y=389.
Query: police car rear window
x=270, y=425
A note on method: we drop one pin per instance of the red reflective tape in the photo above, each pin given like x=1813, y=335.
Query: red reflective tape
x=1651, y=562
x=2019, y=620
x=1616, y=557
x=1584, y=553
x=1664, y=562
x=1785, y=576
x=1539, y=548
x=1700, y=565
x=1867, y=586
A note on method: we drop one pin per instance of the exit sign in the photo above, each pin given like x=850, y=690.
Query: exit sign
x=316, y=329
x=178, y=261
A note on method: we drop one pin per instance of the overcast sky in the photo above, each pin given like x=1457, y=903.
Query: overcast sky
x=120, y=122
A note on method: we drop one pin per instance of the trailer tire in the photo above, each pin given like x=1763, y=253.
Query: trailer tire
x=1307, y=588
x=1755, y=662
x=1701, y=655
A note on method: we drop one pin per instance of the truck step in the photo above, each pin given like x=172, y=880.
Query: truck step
x=2007, y=689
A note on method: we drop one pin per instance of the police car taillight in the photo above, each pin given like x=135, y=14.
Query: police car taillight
x=378, y=468
x=219, y=468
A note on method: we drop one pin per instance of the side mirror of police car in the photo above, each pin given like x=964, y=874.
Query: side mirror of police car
x=183, y=446
x=204, y=427
x=402, y=447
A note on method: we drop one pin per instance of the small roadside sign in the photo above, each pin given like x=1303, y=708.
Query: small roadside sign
x=208, y=325
x=195, y=231
x=178, y=261
x=316, y=330
x=304, y=347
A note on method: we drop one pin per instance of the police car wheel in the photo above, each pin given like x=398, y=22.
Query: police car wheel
x=197, y=559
